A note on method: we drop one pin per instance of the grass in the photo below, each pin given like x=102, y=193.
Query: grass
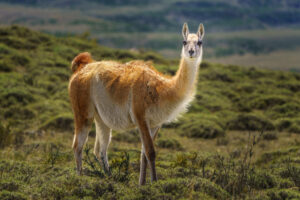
x=215, y=151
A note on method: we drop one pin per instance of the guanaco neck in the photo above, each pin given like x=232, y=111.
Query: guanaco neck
x=186, y=76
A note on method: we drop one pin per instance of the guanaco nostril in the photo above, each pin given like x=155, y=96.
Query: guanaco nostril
x=191, y=52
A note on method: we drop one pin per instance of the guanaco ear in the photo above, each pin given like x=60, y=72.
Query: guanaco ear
x=200, y=32
x=185, y=31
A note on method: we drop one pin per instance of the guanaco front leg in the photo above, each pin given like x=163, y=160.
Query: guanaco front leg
x=148, y=146
x=143, y=162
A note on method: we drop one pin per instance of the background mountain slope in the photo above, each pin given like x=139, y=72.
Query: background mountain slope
x=249, y=33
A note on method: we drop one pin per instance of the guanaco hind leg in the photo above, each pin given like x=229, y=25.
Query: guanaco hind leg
x=103, y=136
x=80, y=139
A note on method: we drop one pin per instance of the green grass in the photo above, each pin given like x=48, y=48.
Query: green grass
x=207, y=154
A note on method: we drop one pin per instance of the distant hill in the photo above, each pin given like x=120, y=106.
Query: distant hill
x=164, y=15
x=35, y=71
x=237, y=30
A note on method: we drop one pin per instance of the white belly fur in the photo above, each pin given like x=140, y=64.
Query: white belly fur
x=114, y=115
x=120, y=117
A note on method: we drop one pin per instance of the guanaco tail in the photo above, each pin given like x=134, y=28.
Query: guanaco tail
x=131, y=95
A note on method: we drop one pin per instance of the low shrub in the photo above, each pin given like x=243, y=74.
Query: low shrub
x=14, y=96
x=288, y=124
x=169, y=143
x=286, y=183
x=6, y=136
x=222, y=141
x=9, y=185
x=270, y=136
x=250, y=121
x=131, y=136
x=60, y=122
x=6, y=66
x=292, y=172
x=262, y=180
x=21, y=60
x=288, y=110
x=6, y=195
x=267, y=101
x=210, y=188
x=201, y=126
x=283, y=194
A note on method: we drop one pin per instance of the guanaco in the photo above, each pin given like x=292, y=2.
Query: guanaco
x=131, y=95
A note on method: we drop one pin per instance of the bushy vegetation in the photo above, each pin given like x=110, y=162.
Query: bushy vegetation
x=207, y=154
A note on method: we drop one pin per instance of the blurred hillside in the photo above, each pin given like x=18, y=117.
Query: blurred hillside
x=251, y=33
x=239, y=140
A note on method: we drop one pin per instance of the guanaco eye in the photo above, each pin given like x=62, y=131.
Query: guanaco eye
x=199, y=43
x=184, y=43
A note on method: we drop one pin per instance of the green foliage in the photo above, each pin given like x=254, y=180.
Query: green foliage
x=262, y=180
x=270, y=136
x=169, y=143
x=131, y=136
x=60, y=122
x=6, y=195
x=283, y=194
x=6, y=136
x=252, y=122
x=200, y=126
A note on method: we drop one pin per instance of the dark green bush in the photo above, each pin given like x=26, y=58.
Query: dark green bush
x=6, y=195
x=262, y=180
x=283, y=194
x=288, y=124
x=16, y=95
x=270, y=136
x=59, y=122
x=222, y=141
x=169, y=143
x=267, y=101
x=210, y=188
x=9, y=185
x=6, y=66
x=6, y=136
x=127, y=136
x=21, y=60
x=286, y=183
x=205, y=129
x=201, y=126
x=249, y=121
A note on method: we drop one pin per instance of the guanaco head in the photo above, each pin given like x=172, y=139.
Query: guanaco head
x=192, y=43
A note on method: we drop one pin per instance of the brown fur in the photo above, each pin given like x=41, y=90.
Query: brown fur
x=79, y=92
x=152, y=86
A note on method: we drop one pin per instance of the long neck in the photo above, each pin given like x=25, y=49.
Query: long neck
x=186, y=76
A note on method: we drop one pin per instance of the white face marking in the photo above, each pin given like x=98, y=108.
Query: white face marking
x=192, y=43
x=192, y=46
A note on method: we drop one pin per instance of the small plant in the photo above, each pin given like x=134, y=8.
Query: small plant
x=119, y=168
x=222, y=141
x=270, y=136
x=169, y=144
x=6, y=136
x=53, y=155
x=93, y=163
x=234, y=175
x=192, y=162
